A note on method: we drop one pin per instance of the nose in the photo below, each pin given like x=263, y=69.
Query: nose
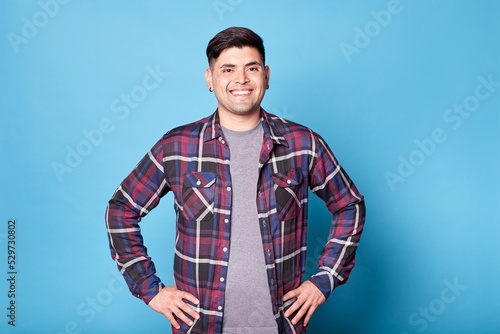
x=241, y=77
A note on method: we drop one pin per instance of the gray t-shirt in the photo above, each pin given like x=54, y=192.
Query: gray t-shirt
x=248, y=307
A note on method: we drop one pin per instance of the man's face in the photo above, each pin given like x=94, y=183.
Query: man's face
x=239, y=79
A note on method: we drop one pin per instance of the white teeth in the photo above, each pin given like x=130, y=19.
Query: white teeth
x=242, y=92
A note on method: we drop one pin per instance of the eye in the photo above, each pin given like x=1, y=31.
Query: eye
x=227, y=70
x=253, y=69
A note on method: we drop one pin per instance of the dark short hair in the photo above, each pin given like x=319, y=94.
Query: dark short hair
x=234, y=37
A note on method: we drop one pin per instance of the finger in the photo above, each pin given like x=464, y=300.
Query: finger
x=294, y=307
x=291, y=294
x=190, y=297
x=300, y=314
x=187, y=309
x=309, y=315
x=171, y=318
x=182, y=317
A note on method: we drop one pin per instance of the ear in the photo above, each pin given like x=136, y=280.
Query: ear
x=208, y=78
x=267, y=71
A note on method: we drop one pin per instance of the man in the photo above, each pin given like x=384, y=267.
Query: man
x=240, y=180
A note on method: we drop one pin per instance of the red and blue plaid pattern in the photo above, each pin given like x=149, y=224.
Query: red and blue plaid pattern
x=193, y=162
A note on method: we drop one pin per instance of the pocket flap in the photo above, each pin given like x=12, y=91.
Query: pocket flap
x=291, y=178
x=199, y=179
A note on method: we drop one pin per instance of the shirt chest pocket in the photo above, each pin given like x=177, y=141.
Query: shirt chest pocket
x=286, y=189
x=198, y=193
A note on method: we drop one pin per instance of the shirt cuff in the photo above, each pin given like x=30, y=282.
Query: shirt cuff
x=149, y=288
x=325, y=282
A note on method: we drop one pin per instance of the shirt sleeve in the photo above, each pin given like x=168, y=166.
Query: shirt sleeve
x=331, y=183
x=138, y=194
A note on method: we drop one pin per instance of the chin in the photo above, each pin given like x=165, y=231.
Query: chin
x=242, y=111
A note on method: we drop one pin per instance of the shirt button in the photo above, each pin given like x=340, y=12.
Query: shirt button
x=224, y=249
x=288, y=181
x=264, y=223
x=222, y=279
x=198, y=182
x=219, y=308
x=268, y=252
x=226, y=220
x=226, y=162
x=228, y=188
x=222, y=141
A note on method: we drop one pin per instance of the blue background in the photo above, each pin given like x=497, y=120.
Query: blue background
x=436, y=224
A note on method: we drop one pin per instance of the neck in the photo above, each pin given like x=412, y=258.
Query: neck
x=239, y=122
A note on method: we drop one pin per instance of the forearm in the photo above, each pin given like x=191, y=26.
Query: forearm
x=338, y=256
x=139, y=193
x=332, y=184
x=130, y=254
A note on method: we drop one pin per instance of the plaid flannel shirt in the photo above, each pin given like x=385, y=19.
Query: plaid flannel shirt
x=193, y=162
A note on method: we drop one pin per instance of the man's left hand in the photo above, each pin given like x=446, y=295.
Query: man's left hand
x=308, y=299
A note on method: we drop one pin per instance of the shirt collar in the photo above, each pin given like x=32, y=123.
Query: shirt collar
x=271, y=131
x=213, y=129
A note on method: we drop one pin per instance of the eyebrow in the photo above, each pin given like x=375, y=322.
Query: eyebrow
x=246, y=65
x=253, y=63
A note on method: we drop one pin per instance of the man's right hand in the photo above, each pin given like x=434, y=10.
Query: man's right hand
x=169, y=301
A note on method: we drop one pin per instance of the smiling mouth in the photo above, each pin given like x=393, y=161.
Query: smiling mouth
x=241, y=92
